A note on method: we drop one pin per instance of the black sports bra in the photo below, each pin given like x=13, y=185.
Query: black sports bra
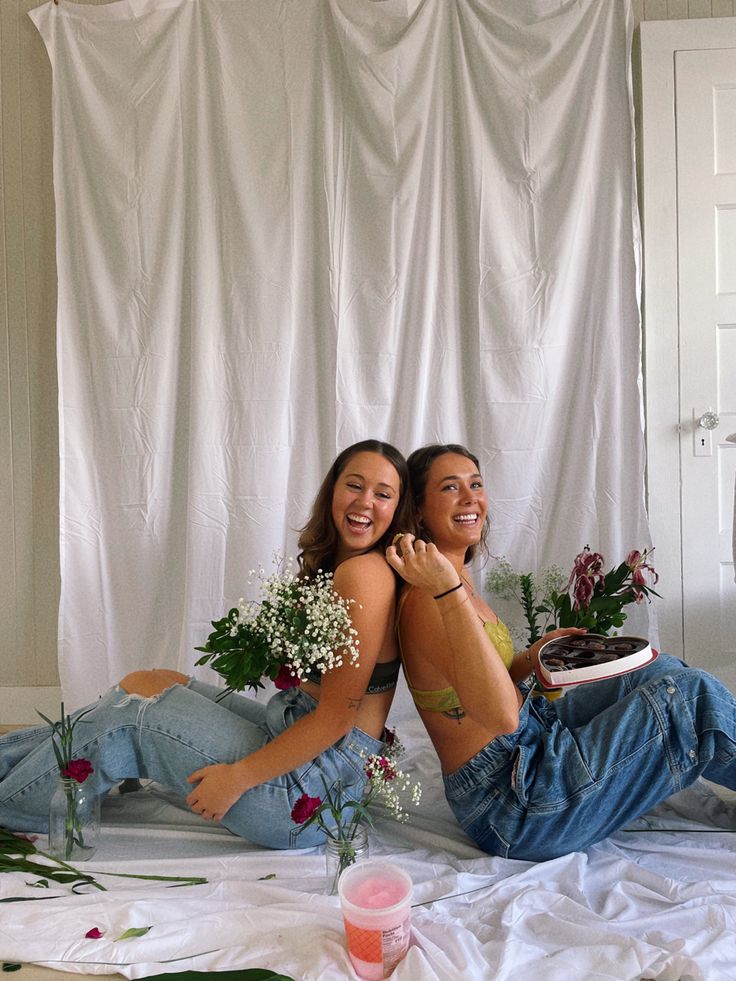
x=384, y=677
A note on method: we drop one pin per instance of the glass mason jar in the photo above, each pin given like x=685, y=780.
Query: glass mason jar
x=74, y=820
x=342, y=852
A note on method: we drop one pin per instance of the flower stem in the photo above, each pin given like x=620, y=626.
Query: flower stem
x=65, y=865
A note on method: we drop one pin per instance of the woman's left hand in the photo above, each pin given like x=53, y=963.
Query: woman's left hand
x=216, y=791
x=422, y=564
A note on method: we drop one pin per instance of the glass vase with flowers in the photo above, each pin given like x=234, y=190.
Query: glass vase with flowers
x=345, y=818
x=74, y=808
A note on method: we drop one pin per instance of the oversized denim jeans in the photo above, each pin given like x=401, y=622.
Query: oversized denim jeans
x=168, y=737
x=577, y=769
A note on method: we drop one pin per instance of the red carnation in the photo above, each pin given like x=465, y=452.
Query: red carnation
x=286, y=678
x=304, y=808
x=78, y=770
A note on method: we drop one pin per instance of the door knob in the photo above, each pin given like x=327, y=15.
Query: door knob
x=709, y=420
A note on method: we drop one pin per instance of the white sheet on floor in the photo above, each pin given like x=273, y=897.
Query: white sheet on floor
x=659, y=904
x=286, y=226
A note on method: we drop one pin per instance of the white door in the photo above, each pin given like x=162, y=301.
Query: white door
x=705, y=104
x=689, y=189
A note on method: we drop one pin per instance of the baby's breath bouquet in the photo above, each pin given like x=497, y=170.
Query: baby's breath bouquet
x=299, y=626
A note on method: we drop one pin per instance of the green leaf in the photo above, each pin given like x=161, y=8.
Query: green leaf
x=250, y=974
x=9, y=966
x=133, y=932
x=263, y=878
x=25, y=899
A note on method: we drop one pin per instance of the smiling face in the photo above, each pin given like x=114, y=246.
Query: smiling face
x=455, y=506
x=364, y=500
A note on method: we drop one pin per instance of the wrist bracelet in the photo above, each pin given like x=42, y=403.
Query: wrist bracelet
x=448, y=591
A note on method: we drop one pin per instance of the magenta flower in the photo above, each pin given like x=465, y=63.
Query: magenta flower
x=286, y=678
x=304, y=808
x=588, y=564
x=583, y=592
x=380, y=766
x=78, y=770
x=637, y=562
x=94, y=934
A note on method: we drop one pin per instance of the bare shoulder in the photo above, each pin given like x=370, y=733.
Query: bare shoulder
x=365, y=574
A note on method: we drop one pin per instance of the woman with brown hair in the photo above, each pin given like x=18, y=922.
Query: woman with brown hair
x=528, y=778
x=237, y=760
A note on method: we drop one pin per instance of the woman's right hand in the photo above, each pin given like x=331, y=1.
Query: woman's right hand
x=422, y=564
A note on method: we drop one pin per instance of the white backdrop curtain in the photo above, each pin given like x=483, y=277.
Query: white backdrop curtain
x=286, y=225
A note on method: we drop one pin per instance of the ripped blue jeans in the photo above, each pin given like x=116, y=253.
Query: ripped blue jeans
x=169, y=736
x=579, y=768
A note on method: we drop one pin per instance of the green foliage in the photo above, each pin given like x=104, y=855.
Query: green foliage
x=242, y=663
x=19, y=854
x=588, y=598
x=301, y=625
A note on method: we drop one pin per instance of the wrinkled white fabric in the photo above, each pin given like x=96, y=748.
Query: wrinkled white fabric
x=285, y=226
x=643, y=904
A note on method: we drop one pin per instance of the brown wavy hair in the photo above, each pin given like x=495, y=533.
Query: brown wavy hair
x=318, y=539
x=419, y=463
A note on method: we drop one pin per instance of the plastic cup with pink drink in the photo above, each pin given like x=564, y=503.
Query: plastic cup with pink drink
x=376, y=908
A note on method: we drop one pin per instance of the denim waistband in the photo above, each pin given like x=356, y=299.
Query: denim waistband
x=361, y=743
x=493, y=757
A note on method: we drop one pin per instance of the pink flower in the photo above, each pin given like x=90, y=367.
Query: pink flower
x=286, y=678
x=304, y=808
x=583, y=592
x=637, y=562
x=588, y=564
x=587, y=570
x=78, y=770
x=94, y=934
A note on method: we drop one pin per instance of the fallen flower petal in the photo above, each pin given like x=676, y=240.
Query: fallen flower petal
x=94, y=934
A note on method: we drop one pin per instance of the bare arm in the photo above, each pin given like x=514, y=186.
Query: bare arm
x=449, y=634
x=369, y=581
